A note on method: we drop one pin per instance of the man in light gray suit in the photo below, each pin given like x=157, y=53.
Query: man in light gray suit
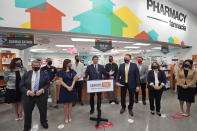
x=143, y=76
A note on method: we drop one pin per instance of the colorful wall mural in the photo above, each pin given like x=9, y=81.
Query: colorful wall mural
x=122, y=18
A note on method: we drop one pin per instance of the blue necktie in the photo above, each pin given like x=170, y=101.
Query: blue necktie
x=36, y=86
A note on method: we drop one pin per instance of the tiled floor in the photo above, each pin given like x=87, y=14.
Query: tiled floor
x=143, y=120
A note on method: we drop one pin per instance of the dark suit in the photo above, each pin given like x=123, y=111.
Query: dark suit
x=29, y=101
x=143, y=74
x=95, y=74
x=155, y=95
x=133, y=82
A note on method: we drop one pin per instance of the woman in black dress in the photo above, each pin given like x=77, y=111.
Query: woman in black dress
x=67, y=96
x=186, y=83
x=13, y=94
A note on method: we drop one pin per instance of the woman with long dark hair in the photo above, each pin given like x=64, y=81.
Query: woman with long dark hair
x=186, y=83
x=13, y=94
x=156, y=83
x=67, y=96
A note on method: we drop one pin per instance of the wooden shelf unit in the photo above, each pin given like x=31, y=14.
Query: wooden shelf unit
x=5, y=55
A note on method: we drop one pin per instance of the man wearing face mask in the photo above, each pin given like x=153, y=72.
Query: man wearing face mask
x=34, y=87
x=79, y=68
x=51, y=70
x=111, y=66
x=129, y=78
x=143, y=73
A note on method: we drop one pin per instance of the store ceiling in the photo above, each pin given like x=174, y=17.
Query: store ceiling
x=47, y=44
x=190, y=5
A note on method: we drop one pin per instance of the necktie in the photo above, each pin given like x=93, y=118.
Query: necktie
x=126, y=73
x=36, y=85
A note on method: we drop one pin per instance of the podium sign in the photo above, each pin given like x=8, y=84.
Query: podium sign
x=100, y=86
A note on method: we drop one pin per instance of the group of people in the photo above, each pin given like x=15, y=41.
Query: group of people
x=25, y=89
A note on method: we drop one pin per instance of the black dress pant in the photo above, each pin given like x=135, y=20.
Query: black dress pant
x=143, y=88
x=79, y=87
x=155, y=99
x=98, y=101
x=29, y=104
x=123, y=96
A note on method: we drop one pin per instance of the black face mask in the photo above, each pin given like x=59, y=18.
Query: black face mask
x=155, y=67
x=36, y=68
x=186, y=66
x=126, y=61
x=110, y=60
x=49, y=62
x=77, y=60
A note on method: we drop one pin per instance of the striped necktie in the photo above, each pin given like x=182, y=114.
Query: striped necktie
x=36, y=85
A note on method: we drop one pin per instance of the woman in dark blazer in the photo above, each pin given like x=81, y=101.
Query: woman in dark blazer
x=156, y=79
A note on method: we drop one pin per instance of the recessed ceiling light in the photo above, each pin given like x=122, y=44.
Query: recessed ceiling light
x=156, y=48
x=131, y=47
x=83, y=40
x=65, y=46
x=142, y=44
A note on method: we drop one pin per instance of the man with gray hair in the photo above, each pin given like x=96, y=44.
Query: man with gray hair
x=34, y=87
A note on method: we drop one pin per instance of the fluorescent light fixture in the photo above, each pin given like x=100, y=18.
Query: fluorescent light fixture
x=94, y=52
x=131, y=47
x=65, y=46
x=133, y=52
x=141, y=44
x=156, y=48
x=122, y=50
x=83, y=40
x=35, y=50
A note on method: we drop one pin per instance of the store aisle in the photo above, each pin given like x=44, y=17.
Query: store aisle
x=143, y=120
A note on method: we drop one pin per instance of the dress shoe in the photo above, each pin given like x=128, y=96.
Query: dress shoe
x=73, y=104
x=122, y=110
x=117, y=102
x=152, y=112
x=81, y=103
x=26, y=129
x=91, y=111
x=158, y=113
x=131, y=112
x=144, y=102
x=45, y=125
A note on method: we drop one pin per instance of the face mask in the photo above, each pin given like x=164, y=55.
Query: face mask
x=186, y=66
x=126, y=61
x=36, y=68
x=77, y=60
x=139, y=61
x=155, y=67
x=18, y=64
x=49, y=62
x=110, y=60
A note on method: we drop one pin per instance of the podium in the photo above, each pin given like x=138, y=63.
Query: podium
x=95, y=86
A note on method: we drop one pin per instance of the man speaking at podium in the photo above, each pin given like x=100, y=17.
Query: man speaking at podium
x=96, y=71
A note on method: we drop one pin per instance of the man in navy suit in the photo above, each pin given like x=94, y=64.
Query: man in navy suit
x=129, y=78
x=96, y=71
x=34, y=86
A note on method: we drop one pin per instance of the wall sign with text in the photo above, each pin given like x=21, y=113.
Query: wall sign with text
x=165, y=10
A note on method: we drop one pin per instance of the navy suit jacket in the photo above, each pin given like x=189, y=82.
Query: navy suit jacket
x=93, y=74
x=151, y=78
x=133, y=75
x=26, y=80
